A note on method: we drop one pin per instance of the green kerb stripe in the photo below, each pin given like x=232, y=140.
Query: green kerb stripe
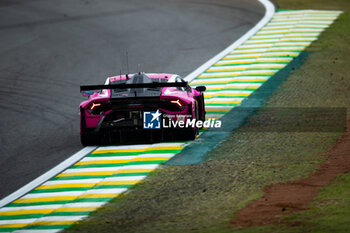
x=131, y=174
x=46, y=227
x=113, y=186
x=38, y=203
x=252, y=63
x=60, y=190
x=219, y=112
x=243, y=69
x=222, y=96
x=79, y=177
x=104, y=176
x=253, y=75
x=93, y=199
x=216, y=104
x=135, y=153
x=233, y=89
x=8, y=229
x=120, y=164
x=23, y=216
x=69, y=213
x=234, y=81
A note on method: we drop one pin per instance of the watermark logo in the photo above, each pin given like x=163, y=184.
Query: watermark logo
x=157, y=120
x=186, y=121
x=151, y=120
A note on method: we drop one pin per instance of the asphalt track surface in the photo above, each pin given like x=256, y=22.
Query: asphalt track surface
x=49, y=48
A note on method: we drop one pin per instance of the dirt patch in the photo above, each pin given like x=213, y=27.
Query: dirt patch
x=286, y=198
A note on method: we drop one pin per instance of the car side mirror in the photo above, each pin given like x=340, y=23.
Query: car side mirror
x=87, y=93
x=201, y=88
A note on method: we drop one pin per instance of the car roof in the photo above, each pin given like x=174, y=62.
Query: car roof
x=150, y=75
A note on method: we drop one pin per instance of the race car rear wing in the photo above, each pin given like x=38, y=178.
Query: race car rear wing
x=136, y=85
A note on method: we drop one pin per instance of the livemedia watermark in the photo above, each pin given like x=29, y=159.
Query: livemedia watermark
x=157, y=120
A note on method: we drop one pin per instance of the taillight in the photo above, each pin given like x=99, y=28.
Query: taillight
x=177, y=102
x=93, y=105
x=98, y=108
x=174, y=105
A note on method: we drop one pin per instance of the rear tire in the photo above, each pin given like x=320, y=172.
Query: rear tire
x=89, y=139
x=201, y=108
x=190, y=134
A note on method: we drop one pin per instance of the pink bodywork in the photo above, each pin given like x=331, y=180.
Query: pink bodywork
x=167, y=93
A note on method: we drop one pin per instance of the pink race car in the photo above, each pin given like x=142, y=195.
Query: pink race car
x=153, y=106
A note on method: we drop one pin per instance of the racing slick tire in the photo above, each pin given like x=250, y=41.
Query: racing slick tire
x=190, y=134
x=89, y=139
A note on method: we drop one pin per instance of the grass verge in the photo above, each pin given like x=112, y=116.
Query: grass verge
x=204, y=197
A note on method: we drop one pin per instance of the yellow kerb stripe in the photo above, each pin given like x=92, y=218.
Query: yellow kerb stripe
x=55, y=186
x=218, y=75
x=227, y=69
x=106, y=195
x=261, y=73
x=16, y=225
x=224, y=102
x=121, y=160
x=231, y=88
x=150, y=159
x=46, y=223
x=250, y=67
x=216, y=118
x=217, y=110
x=45, y=199
x=104, y=172
x=22, y=212
x=278, y=55
x=238, y=57
x=138, y=150
x=205, y=82
x=104, y=161
x=251, y=80
x=101, y=173
x=226, y=94
x=287, y=49
x=134, y=171
x=129, y=182
x=76, y=209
